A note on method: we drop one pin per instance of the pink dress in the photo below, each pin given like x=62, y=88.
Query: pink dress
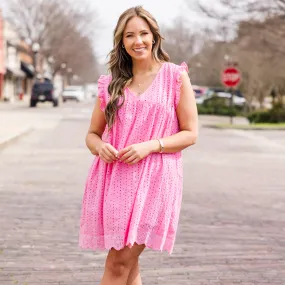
x=122, y=203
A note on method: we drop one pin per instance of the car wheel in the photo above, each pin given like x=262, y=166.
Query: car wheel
x=33, y=103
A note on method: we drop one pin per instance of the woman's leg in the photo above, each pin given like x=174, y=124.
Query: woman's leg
x=134, y=276
x=119, y=264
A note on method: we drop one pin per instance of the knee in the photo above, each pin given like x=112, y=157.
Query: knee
x=119, y=265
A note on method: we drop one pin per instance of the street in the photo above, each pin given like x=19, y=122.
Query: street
x=232, y=223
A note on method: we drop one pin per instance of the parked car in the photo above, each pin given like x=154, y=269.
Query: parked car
x=238, y=98
x=73, y=92
x=43, y=91
x=200, y=92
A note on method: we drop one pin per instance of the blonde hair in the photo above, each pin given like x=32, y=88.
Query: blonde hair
x=120, y=63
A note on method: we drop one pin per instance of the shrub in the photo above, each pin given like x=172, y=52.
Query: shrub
x=275, y=115
x=218, y=106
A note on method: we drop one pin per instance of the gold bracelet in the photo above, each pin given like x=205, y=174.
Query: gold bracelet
x=161, y=145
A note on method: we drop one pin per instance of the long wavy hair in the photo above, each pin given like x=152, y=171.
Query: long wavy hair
x=120, y=63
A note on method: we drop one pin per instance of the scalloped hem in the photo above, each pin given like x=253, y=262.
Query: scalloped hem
x=97, y=243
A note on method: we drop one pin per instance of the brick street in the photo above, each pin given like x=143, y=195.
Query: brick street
x=232, y=226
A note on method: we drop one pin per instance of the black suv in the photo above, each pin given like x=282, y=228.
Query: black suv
x=42, y=92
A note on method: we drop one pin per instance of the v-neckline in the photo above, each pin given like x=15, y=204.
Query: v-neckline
x=153, y=81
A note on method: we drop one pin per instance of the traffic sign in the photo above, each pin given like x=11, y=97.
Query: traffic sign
x=231, y=77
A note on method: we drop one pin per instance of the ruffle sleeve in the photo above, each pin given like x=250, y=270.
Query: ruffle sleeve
x=103, y=94
x=182, y=67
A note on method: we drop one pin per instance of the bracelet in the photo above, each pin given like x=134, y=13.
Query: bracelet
x=161, y=145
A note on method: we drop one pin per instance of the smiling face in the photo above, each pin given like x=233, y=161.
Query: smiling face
x=137, y=39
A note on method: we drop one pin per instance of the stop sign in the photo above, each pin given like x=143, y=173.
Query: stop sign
x=231, y=77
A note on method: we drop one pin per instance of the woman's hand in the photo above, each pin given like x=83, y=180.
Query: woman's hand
x=107, y=153
x=136, y=152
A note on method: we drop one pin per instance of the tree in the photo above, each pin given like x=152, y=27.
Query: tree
x=181, y=42
x=258, y=37
x=63, y=30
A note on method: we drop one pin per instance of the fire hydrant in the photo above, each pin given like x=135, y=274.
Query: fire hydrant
x=21, y=96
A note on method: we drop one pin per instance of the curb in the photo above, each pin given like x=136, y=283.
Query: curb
x=244, y=129
x=13, y=138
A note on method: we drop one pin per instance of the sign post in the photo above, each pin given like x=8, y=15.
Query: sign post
x=231, y=78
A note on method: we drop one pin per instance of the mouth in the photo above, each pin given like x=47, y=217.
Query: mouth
x=139, y=49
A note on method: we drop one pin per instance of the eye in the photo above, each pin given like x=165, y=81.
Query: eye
x=128, y=36
x=145, y=33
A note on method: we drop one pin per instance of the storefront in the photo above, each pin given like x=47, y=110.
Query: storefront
x=13, y=84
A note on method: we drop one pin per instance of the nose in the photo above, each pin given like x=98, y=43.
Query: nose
x=138, y=40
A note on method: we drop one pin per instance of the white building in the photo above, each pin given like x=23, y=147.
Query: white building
x=14, y=75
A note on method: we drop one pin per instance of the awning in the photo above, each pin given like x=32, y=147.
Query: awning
x=16, y=72
x=28, y=69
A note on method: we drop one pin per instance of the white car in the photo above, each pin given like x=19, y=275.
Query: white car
x=239, y=101
x=73, y=93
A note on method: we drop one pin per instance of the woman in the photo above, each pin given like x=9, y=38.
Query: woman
x=144, y=116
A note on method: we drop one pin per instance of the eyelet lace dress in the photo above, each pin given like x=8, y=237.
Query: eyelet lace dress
x=124, y=204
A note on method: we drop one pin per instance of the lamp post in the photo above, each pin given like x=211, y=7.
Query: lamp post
x=198, y=73
x=63, y=67
x=69, y=71
x=35, y=48
x=51, y=66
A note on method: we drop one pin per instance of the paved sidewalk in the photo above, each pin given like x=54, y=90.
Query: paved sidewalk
x=17, y=119
x=13, y=126
x=213, y=120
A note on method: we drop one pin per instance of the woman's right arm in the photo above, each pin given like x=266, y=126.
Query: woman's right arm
x=94, y=136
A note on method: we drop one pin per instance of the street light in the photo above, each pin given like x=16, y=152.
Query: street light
x=198, y=72
x=35, y=48
x=50, y=60
x=63, y=65
x=69, y=71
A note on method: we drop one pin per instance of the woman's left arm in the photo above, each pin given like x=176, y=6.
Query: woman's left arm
x=187, y=115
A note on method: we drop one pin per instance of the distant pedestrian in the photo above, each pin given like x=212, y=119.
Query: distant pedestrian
x=144, y=117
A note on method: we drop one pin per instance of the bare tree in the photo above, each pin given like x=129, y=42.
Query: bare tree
x=63, y=30
x=181, y=42
x=258, y=30
x=266, y=18
x=33, y=18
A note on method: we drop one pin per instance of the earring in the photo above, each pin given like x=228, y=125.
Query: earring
x=153, y=42
x=123, y=46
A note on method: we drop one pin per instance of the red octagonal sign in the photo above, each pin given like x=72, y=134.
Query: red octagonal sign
x=231, y=77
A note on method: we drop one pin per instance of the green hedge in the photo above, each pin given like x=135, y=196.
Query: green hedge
x=218, y=106
x=275, y=115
